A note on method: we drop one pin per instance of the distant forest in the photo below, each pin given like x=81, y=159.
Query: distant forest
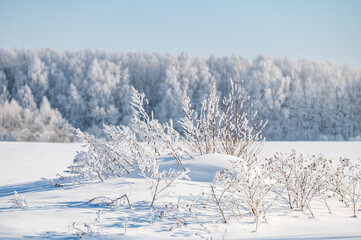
x=43, y=93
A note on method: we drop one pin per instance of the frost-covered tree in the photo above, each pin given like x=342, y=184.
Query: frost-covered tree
x=302, y=99
x=32, y=124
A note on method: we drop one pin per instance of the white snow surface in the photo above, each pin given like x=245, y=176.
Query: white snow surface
x=52, y=210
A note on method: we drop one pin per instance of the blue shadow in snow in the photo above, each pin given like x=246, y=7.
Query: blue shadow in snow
x=35, y=186
x=46, y=235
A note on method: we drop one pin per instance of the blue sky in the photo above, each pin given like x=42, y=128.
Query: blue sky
x=320, y=30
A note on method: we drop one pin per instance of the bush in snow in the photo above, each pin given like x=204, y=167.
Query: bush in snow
x=248, y=185
x=346, y=181
x=84, y=230
x=241, y=126
x=301, y=178
x=161, y=138
x=201, y=132
x=136, y=147
x=113, y=203
x=233, y=128
x=157, y=138
x=18, y=200
x=102, y=159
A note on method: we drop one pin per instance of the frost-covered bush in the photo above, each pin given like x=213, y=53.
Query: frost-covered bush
x=113, y=203
x=241, y=124
x=102, y=159
x=201, y=132
x=248, y=185
x=18, y=200
x=133, y=148
x=161, y=138
x=301, y=178
x=346, y=181
x=85, y=230
x=233, y=127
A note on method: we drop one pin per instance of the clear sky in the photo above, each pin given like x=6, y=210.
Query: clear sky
x=316, y=29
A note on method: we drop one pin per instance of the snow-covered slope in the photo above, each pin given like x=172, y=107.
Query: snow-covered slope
x=52, y=210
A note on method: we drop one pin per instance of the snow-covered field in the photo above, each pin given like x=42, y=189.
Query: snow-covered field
x=52, y=210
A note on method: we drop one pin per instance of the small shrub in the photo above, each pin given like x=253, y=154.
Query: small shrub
x=247, y=185
x=234, y=130
x=346, y=182
x=18, y=200
x=301, y=178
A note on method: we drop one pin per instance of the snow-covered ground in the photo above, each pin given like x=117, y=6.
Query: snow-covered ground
x=52, y=210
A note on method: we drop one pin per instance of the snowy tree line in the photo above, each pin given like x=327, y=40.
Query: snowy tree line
x=301, y=99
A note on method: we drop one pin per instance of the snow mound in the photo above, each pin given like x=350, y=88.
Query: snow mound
x=201, y=167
